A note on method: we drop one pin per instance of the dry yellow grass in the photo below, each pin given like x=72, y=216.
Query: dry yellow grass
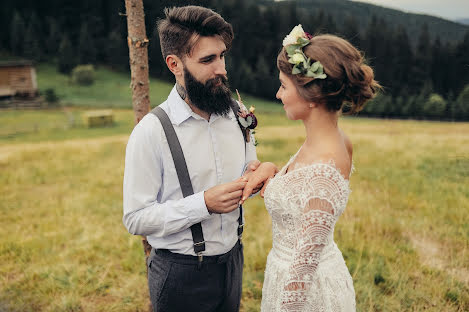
x=404, y=235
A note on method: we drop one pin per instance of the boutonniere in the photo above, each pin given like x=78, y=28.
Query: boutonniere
x=246, y=119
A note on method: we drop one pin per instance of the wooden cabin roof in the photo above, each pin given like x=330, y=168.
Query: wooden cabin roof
x=16, y=63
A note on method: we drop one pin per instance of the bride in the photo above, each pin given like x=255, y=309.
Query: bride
x=305, y=270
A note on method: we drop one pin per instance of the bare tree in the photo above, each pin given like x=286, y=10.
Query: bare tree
x=138, y=57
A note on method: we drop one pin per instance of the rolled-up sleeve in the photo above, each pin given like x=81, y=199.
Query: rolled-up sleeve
x=142, y=187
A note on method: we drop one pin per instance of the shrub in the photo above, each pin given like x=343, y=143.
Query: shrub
x=435, y=106
x=83, y=75
x=50, y=96
x=462, y=104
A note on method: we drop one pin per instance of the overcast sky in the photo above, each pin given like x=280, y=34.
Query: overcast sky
x=449, y=9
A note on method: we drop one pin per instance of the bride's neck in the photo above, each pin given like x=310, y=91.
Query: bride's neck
x=320, y=126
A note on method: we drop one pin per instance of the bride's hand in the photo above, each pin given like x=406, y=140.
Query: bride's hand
x=252, y=166
x=260, y=176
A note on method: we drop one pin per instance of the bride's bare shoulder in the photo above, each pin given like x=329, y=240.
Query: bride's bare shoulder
x=347, y=143
x=339, y=160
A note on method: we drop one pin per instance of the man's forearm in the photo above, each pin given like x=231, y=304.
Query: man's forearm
x=162, y=219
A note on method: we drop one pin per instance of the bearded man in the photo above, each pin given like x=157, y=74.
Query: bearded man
x=196, y=261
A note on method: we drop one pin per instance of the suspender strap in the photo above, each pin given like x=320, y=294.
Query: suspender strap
x=240, y=223
x=235, y=108
x=182, y=172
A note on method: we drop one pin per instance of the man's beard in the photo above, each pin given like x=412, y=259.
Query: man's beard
x=209, y=97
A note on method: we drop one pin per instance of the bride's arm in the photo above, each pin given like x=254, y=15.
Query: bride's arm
x=317, y=223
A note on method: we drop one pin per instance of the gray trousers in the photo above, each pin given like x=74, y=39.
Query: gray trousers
x=178, y=283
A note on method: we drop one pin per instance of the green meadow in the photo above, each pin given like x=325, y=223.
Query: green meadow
x=404, y=234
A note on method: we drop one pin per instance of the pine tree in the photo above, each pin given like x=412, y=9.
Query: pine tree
x=423, y=58
x=267, y=83
x=402, y=63
x=53, y=38
x=86, y=46
x=330, y=27
x=351, y=31
x=99, y=36
x=439, y=77
x=33, y=48
x=372, y=38
x=385, y=52
x=66, y=57
x=18, y=30
x=117, y=52
x=320, y=22
x=461, y=69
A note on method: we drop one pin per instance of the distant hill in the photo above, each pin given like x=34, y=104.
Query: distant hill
x=464, y=21
x=448, y=31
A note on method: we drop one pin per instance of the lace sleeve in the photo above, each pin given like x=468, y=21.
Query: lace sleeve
x=317, y=223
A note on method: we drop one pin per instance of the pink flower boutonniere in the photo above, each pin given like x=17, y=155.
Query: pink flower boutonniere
x=246, y=119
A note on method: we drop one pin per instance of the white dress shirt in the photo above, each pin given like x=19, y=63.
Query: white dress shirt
x=153, y=203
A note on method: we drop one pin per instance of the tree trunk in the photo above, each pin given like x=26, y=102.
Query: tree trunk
x=138, y=58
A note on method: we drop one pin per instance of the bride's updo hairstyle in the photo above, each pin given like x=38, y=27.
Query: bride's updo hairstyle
x=349, y=80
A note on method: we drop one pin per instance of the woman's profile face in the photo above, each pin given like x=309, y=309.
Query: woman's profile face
x=294, y=105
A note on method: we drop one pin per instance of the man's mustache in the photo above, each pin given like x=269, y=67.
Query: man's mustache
x=223, y=79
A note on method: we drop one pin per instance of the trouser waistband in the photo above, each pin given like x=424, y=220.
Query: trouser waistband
x=189, y=259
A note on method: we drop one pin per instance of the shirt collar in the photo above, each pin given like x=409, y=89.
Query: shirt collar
x=180, y=111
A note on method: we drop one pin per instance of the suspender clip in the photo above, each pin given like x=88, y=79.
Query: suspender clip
x=201, y=259
x=240, y=233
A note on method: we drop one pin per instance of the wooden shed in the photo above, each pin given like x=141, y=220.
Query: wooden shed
x=18, y=79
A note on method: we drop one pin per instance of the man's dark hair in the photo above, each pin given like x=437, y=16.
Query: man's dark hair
x=177, y=30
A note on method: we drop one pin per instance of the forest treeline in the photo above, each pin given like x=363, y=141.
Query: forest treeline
x=423, y=75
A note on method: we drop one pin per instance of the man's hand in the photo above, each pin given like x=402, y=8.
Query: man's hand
x=224, y=198
x=260, y=176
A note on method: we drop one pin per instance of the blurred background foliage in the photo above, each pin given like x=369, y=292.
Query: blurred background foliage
x=422, y=61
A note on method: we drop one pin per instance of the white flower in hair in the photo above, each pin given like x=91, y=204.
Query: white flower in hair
x=297, y=58
x=292, y=38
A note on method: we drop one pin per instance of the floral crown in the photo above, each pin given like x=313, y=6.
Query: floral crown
x=294, y=43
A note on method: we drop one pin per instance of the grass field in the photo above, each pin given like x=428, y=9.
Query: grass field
x=404, y=235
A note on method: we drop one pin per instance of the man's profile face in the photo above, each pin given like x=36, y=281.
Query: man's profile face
x=205, y=76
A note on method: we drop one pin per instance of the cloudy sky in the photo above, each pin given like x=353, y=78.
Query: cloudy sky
x=449, y=9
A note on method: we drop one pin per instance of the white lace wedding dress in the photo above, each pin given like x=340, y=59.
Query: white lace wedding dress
x=305, y=270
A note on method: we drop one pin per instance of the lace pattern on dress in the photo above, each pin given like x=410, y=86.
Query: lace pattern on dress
x=305, y=203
